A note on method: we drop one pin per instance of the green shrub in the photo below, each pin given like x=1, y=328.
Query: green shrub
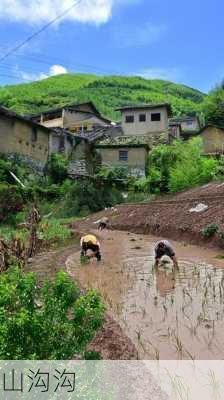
x=81, y=198
x=11, y=201
x=114, y=175
x=52, y=322
x=213, y=106
x=179, y=166
x=210, y=230
x=57, y=168
x=191, y=173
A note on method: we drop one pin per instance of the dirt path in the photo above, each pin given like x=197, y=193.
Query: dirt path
x=167, y=314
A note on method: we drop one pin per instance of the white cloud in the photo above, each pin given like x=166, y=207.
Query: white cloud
x=168, y=74
x=40, y=11
x=138, y=36
x=53, y=71
x=57, y=70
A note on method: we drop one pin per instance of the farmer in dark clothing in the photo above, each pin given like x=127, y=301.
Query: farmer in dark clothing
x=164, y=248
x=103, y=223
x=90, y=242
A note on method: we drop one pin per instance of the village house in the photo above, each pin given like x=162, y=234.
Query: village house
x=124, y=151
x=19, y=135
x=145, y=120
x=35, y=143
x=213, y=139
x=124, y=144
x=76, y=118
x=175, y=131
x=186, y=126
x=141, y=128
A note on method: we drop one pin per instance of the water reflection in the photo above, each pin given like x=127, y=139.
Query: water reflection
x=165, y=280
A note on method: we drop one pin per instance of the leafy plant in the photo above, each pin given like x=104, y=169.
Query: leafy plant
x=179, y=166
x=210, y=230
x=57, y=168
x=11, y=201
x=52, y=322
x=53, y=230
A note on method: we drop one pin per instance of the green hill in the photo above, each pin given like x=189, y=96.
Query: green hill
x=107, y=93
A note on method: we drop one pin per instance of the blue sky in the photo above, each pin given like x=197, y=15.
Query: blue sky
x=181, y=41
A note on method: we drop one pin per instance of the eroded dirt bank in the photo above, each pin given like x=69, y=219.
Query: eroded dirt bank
x=171, y=216
x=167, y=314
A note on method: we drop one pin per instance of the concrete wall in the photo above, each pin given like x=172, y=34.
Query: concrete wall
x=148, y=127
x=213, y=140
x=16, y=137
x=136, y=158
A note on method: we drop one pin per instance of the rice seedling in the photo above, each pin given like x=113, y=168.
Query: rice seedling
x=215, y=385
x=192, y=357
x=143, y=312
x=165, y=310
x=178, y=345
x=180, y=390
x=138, y=335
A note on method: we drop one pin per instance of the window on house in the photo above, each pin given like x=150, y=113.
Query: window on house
x=123, y=155
x=129, y=119
x=34, y=134
x=189, y=123
x=142, y=117
x=155, y=117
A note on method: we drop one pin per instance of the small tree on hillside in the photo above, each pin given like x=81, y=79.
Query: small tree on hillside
x=214, y=106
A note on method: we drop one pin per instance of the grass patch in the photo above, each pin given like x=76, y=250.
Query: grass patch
x=53, y=230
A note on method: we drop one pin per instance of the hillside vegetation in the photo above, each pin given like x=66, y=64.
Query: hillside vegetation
x=107, y=93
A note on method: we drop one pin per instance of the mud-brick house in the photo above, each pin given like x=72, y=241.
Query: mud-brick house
x=76, y=118
x=35, y=143
x=213, y=139
x=78, y=149
x=187, y=126
x=141, y=128
x=19, y=135
x=145, y=120
x=124, y=151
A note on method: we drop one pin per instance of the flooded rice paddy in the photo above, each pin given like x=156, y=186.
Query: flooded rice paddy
x=167, y=313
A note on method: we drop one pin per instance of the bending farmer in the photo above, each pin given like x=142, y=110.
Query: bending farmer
x=164, y=248
x=103, y=223
x=90, y=242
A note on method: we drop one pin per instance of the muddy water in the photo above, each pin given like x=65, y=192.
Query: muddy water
x=168, y=314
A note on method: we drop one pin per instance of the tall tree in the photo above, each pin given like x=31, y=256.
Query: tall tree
x=214, y=106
